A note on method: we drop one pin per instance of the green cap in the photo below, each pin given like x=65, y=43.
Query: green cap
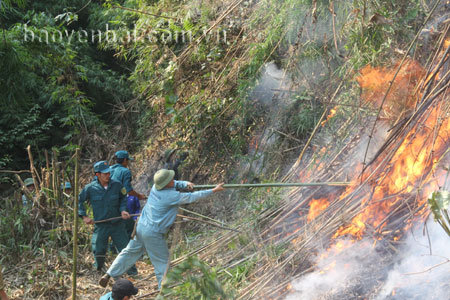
x=123, y=154
x=162, y=178
x=102, y=167
x=66, y=185
x=168, y=153
x=28, y=181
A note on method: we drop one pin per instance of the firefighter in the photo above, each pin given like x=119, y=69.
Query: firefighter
x=157, y=216
x=29, y=185
x=122, y=173
x=108, y=199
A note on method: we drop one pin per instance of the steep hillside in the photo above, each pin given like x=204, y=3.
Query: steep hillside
x=254, y=92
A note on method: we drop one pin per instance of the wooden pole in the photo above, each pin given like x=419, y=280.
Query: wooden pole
x=53, y=174
x=276, y=184
x=47, y=166
x=75, y=226
x=57, y=187
x=33, y=171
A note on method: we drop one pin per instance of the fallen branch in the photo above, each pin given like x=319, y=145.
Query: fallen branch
x=15, y=172
x=178, y=215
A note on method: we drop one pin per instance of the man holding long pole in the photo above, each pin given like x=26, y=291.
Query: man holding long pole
x=108, y=200
x=158, y=215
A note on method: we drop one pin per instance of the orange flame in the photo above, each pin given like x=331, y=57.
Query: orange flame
x=316, y=206
x=375, y=82
x=409, y=165
x=330, y=115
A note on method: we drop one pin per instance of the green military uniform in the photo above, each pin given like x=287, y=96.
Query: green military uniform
x=106, y=203
x=123, y=175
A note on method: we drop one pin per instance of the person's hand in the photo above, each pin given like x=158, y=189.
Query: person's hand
x=125, y=215
x=190, y=186
x=218, y=188
x=87, y=220
x=142, y=197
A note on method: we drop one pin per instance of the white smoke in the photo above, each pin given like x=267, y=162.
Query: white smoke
x=360, y=271
x=336, y=271
x=423, y=270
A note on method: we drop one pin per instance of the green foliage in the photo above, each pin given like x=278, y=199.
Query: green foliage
x=377, y=27
x=15, y=231
x=439, y=205
x=241, y=272
x=194, y=280
x=303, y=116
x=56, y=88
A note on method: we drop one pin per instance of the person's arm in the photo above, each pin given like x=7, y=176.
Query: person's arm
x=81, y=207
x=186, y=198
x=182, y=185
x=127, y=184
x=123, y=203
x=136, y=194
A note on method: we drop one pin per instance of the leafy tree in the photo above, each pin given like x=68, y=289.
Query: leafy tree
x=57, y=88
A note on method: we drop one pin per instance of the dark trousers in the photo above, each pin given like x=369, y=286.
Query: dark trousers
x=100, y=237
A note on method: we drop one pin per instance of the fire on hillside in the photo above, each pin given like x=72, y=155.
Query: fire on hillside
x=387, y=202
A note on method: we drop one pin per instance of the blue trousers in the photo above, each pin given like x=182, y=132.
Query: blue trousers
x=145, y=241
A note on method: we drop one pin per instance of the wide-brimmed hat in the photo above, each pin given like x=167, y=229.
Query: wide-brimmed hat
x=162, y=178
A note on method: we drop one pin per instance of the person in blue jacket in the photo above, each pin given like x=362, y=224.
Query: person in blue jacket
x=122, y=289
x=122, y=173
x=108, y=200
x=157, y=216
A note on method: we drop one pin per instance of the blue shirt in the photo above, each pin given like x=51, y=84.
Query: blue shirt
x=107, y=297
x=106, y=203
x=161, y=208
x=122, y=175
x=133, y=205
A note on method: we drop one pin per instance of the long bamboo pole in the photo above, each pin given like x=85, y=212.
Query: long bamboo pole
x=34, y=175
x=178, y=215
x=75, y=225
x=274, y=184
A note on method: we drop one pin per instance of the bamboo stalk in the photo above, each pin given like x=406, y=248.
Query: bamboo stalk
x=207, y=222
x=57, y=187
x=33, y=172
x=75, y=226
x=202, y=216
x=274, y=184
x=115, y=218
x=53, y=178
x=178, y=215
x=47, y=169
